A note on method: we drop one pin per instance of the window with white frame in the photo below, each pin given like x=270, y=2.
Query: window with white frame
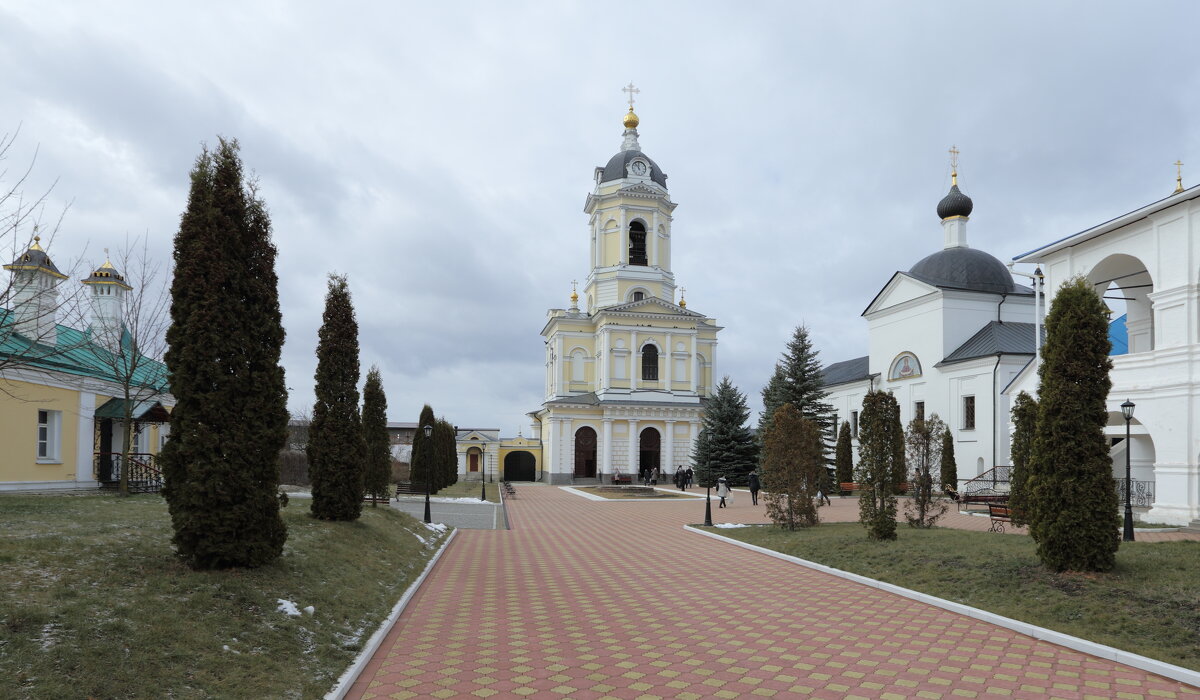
x=919, y=410
x=968, y=413
x=854, y=424
x=49, y=435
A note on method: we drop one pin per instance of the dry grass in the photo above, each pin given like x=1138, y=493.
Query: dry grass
x=93, y=602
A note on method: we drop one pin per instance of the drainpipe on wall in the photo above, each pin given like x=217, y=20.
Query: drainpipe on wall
x=995, y=403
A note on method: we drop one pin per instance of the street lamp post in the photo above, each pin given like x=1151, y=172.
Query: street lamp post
x=708, y=506
x=428, y=473
x=1127, y=410
x=482, y=475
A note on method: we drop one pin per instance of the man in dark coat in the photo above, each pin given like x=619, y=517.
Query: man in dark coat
x=754, y=487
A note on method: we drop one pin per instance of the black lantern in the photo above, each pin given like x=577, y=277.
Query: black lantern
x=1127, y=411
x=428, y=474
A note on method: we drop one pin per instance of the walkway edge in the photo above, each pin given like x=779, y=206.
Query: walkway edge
x=1162, y=668
x=368, y=651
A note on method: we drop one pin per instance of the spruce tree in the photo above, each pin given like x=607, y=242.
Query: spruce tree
x=421, y=463
x=221, y=467
x=336, y=451
x=725, y=446
x=798, y=380
x=1072, y=497
x=949, y=465
x=375, y=436
x=772, y=398
x=845, y=455
x=793, y=462
x=878, y=437
x=1024, y=418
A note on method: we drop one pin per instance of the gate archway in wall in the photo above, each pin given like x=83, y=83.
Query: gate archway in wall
x=649, y=444
x=585, y=453
x=519, y=466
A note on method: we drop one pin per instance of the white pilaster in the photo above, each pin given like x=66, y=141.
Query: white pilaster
x=633, y=444
x=606, y=447
x=635, y=358
x=85, y=437
x=666, y=357
x=695, y=434
x=695, y=364
x=669, y=448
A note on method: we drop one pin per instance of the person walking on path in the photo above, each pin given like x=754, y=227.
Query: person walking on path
x=754, y=487
x=687, y=483
x=722, y=491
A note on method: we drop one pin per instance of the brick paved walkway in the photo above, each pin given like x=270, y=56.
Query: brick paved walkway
x=587, y=599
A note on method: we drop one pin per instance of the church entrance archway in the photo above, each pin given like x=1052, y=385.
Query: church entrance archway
x=585, y=453
x=649, y=445
x=519, y=466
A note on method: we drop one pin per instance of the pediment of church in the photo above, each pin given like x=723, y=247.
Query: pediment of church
x=899, y=289
x=652, y=305
x=641, y=189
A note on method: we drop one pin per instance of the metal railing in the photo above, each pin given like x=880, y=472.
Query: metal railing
x=1141, y=493
x=144, y=473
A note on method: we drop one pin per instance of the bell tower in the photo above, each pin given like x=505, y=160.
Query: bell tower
x=629, y=221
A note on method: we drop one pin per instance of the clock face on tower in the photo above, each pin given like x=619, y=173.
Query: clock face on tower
x=638, y=167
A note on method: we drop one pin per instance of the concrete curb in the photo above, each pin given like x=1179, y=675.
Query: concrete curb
x=351, y=674
x=1177, y=673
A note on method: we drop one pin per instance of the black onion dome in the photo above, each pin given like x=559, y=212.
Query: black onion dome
x=955, y=203
x=618, y=167
x=964, y=268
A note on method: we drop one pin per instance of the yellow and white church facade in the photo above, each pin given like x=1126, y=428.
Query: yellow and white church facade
x=628, y=369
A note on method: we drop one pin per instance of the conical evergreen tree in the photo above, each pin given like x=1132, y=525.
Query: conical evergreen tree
x=447, y=454
x=845, y=455
x=798, y=380
x=1072, y=497
x=375, y=436
x=878, y=435
x=336, y=451
x=793, y=462
x=421, y=464
x=1024, y=418
x=725, y=446
x=229, y=423
x=949, y=464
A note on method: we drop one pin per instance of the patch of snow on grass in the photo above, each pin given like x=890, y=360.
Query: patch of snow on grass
x=729, y=525
x=310, y=610
x=436, y=527
x=288, y=607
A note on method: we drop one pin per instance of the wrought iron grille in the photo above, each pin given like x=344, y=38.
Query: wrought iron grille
x=144, y=473
x=1142, y=493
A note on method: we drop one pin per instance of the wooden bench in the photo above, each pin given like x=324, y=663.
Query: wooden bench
x=622, y=479
x=999, y=513
x=408, y=487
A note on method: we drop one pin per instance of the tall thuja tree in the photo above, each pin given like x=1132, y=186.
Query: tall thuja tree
x=725, y=446
x=229, y=423
x=378, y=472
x=844, y=459
x=899, y=463
x=421, y=463
x=949, y=465
x=336, y=451
x=447, y=453
x=793, y=463
x=878, y=437
x=1024, y=418
x=1072, y=498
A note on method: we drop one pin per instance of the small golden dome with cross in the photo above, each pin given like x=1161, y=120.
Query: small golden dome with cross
x=631, y=120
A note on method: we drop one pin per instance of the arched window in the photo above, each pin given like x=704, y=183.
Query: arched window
x=637, y=244
x=577, y=360
x=650, y=363
x=638, y=296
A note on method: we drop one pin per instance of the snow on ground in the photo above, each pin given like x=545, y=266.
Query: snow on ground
x=729, y=525
x=436, y=527
x=288, y=607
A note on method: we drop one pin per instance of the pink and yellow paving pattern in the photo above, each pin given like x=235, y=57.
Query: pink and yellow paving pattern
x=613, y=599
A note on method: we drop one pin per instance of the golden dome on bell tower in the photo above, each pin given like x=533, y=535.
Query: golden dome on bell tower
x=631, y=120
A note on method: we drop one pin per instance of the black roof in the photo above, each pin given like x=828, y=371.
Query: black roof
x=616, y=168
x=846, y=371
x=995, y=338
x=965, y=268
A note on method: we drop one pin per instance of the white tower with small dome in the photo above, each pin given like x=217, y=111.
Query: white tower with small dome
x=108, y=291
x=627, y=370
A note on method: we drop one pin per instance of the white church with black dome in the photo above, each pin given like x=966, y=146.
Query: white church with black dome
x=946, y=337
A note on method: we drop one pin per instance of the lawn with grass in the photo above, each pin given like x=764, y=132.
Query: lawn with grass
x=94, y=603
x=1149, y=604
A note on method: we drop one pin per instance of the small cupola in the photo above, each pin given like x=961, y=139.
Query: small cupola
x=955, y=209
x=108, y=305
x=33, y=296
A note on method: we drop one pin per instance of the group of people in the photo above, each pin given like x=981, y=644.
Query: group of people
x=683, y=478
x=726, y=494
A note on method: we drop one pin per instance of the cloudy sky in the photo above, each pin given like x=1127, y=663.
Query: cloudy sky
x=440, y=153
